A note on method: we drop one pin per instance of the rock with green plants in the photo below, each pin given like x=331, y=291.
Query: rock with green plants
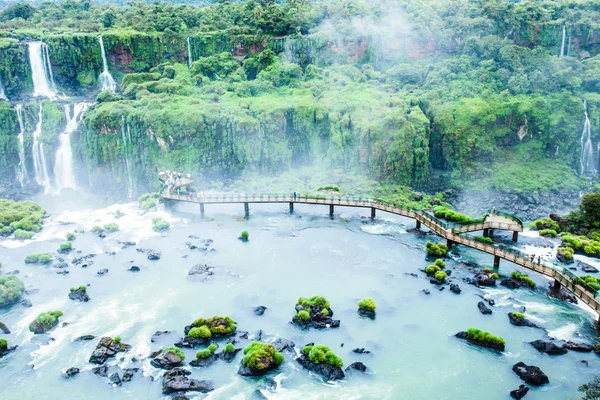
x=205, y=357
x=79, y=294
x=168, y=358
x=21, y=219
x=229, y=352
x=323, y=361
x=108, y=348
x=482, y=339
x=11, y=289
x=45, y=322
x=436, y=249
x=518, y=280
x=204, y=330
x=260, y=358
x=5, y=349
x=519, y=319
x=314, y=312
x=244, y=236
x=38, y=258
x=366, y=307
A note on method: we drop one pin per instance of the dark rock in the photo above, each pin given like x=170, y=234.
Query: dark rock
x=561, y=294
x=102, y=271
x=71, y=372
x=29, y=292
x=38, y=327
x=454, y=288
x=495, y=346
x=204, y=362
x=102, y=235
x=202, y=272
x=519, y=393
x=153, y=255
x=79, y=294
x=587, y=267
x=115, y=379
x=361, y=351
x=366, y=313
x=134, y=268
x=158, y=334
x=512, y=283
x=548, y=348
x=128, y=374
x=483, y=279
x=26, y=303
x=101, y=371
x=518, y=321
x=283, y=344
x=13, y=272
x=176, y=380
x=327, y=372
x=491, y=302
x=180, y=397
x=61, y=265
x=579, y=347
x=79, y=260
x=483, y=308
x=317, y=320
x=357, y=366
x=4, y=351
x=530, y=374
x=107, y=348
x=411, y=274
x=85, y=338
x=126, y=244
x=229, y=356
x=260, y=310
x=63, y=272
x=426, y=292
x=434, y=281
x=166, y=360
x=4, y=328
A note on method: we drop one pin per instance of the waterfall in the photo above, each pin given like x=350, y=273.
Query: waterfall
x=39, y=159
x=22, y=168
x=562, y=46
x=588, y=165
x=63, y=165
x=106, y=80
x=41, y=71
x=2, y=95
x=189, y=52
x=126, y=156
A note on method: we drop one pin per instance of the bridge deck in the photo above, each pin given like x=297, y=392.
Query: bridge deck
x=451, y=231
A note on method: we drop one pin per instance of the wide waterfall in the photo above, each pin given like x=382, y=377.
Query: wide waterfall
x=63, y=165
x=41, y=71
x=22, y=168
x=126, y=156
x=189, y=52
x=39, y=159
x=106, y=80
x=588, y=163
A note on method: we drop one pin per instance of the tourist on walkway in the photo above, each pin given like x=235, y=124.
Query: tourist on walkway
x=294, y=195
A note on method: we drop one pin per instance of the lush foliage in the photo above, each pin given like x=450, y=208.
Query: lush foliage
x=545, y=223
x=451, y=215
x=548, y=232
x=519, y=276
x=3, y=344
x=205, y=353
x=436, y=249
x=260, y=356
x=320, y=354
x=590, y=281
x=201, y=332
x=244, y=235
x=112, y=227
x=207, y=327
x=23, y=218
x=440, y=275
x=518, y=315
x=38, y=258
x=304, y=315
x=66, y=246
x=591, y=390
x=229, y=348
x=160, y=225
x=567, y=252
x=484, y=240
x=11, y=289
x=367, y=304
x=47, y=319
x=176, y=350
x=478, y=335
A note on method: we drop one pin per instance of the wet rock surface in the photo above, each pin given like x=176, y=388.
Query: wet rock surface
x=177, y=380
x=106, y=349
x=530, y=374
x=79, y=294
x=494, y=346
x=520, y=392
x=483, y=308
x=548, y=348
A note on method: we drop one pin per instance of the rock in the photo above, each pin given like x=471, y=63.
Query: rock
x=495, y=346
x=560, y=256
x=153, y=255
x=260, y=310
x=561, y=294
x=327, y=372
x=426, y=292
x=100, y=371
x=512, y=283
x=483, y=279
x=317, y=320
x=176, y=380
x=518, y=321
x=283, y=344
x=530, y=374
x=483, y=308
x=79, y=260
x=579, y=347
x=366, y=313
x=229, y=356
x=434, y=281
x=107, y=348
x=43, y=326
x=4, y=351
x=204, y=362
x=166, y=360
x=134, y=268
x=102, y=271
x=126, y=244
x=548, y=348
x=29, y=292
x=519, y=393
x=587, y=267
x=158, y=334
x=180, y=397
x=128, y=374
x=26, y=303
x=85, y=338
x=79, y=294
x=202, y=272
x=454, y=288
x=361, y=351
x=357, y=366
x=63, y=272
x=4, y=328
x=491, y=302
x=71, y=372
x=61, y=265
x=115, y=379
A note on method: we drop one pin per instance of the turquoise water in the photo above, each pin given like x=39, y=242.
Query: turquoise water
x=414, y=354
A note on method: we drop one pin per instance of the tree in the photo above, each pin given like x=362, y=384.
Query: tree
x=19, y=10
x=591, y=390
x=109, y=19
x=590, y=206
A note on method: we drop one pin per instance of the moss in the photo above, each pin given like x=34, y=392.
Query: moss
x=304, y=315
x=495, y=276
x=567, y=252
x=524, y=278
x=319, y=301
x=45, y=321
x=432, y=269
x=117, y=339
x=436, y=249
x=176, y=350
x=548, y=232
x=160, y=225
x=3, y=344
x=205, y=353
x=112, y=227
x=201, y=332
x=21, y=234
x=38, y=258
x=545, y=224
x=229, y=348
x=11, y=289
x=320, y=354
x=518, y=315
x=97, y=229
x=148, y=204
x=329, y=187
x=66, y=246
x=245, y=235
x=440, y=275
x=22, y=217
x=487, y=270
x=484, y=240
x=82, y=287
x=478, y=335
x=261, y=356
x=440, y=263
x=207, y=327
x=367, y=304
x=70, y=236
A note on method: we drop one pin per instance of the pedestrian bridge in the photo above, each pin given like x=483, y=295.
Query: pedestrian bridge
x=454, y=233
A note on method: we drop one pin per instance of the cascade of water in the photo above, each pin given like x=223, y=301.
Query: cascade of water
x=41, y=72
x=189, y=52
x=126, y=156
x=588, y=165
x=106, y=80
x=2, y=95
x=562, y=46
x=39, y=159
x=63, y=165
x=22, y=169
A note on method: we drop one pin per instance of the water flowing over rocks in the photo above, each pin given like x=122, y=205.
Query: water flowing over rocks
x=4, y=328
x=177, y=380
x=530, y=374
x=204, y=362
x=579, y=347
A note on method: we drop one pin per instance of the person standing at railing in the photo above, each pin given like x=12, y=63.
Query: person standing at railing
x=295, y=196
x=539, y=260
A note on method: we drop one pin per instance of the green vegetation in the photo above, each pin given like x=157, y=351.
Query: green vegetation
x=205, y=353
x=480, y=336
x=453, y=216
x=201, y=332
x=64, y=247
x=70, y=236
x=21, y=234
x=567, y=252
x=148, y=200
x=97, y=229
x=590, y=281
x=261, y=357
x=244, y=235
x=548, y=232
x=319, y=301
x=229, y=348
x=82, y=287
x=39, y=258
x=487, y=270
x=320, y=354
x=23, y=219
x=436, y=249
x=495, y=276
x=205, y=328
x=523, y=277
x=117, y=339
x=545, y=223
x=440, y=275
x=518, y=315
x=110, y=228
x=367, y=304
x=304, y=315
x=432, y=269
x=45, y=321
x=484, y=240
x=174, y=349
x=11, y=289
x=583, y=244
x=333, y=188
x=591, y=390
x=160, y=225
x=3, y=344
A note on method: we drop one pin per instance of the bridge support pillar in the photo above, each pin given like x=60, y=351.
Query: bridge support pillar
x=486, y=232
x=372, y=213
x=556, y=285
x=331, y=210
x=201, y=210
x=246, y=210
x=515, y=236
x=449, y=244
x=418, y=224
x=496, y=261
x=291, y=207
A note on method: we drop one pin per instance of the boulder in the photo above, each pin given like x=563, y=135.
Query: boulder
x=518, y=321
x=166, y=360
x=283, y=344
x=100, y=371
x=260, y=310
x=317, y=320
x=153, y=255
x=85, y=338
x=107, y=348
x=134, y=268
x=202, y=272
x=128, y=374
x=26, y=303
x=548, y=348
x=530, y=374
x=587, y=267
x=229, y=356
x=561, y=294
x=115, y=379
x=79, y=294
x=425, y=292
x=512, y=283
x=204, y=362
x=4, y=328
x=102, y=271
x=520, y=392
x=483, y=279
x=494, y=346
x=560, y=256
x=327, y=372
x=360, y=351
x=7, y=350
x=158, y=334
x=579, y=347
x=71, y=372
x=454, y=288
x=177, y=380
x=483, y=308
x=356, y=366
x=366, y=313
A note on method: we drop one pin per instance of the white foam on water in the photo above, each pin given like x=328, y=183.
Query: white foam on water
x=566, y=332
x=382, y=229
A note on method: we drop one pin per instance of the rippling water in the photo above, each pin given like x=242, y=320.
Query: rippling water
x=414, y=354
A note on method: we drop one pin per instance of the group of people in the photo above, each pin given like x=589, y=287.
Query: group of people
x=532, y=258
x=173, y=180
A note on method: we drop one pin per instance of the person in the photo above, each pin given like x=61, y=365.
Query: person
x=494, y=210
x=531, y=257
x=294, y=195
x=539, y=259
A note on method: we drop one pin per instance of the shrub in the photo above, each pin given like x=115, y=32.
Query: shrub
x=244, y=235
x=160, y=225
x=432, y=269
x=547, y=232
x=3, y=344
x=112, y=227
x=304, y=315
x=487, y=270
x=523, y=277
x=436, y=249
x=518, y=315
x=70, y=236
x=11, y=289
x=216, y=326
x=320, y=354
x=567, y=252
x=172, y=349
x=260, y=356
x=319, y=301
x=66, y=246
x=117, y=339
x=495, y=276
x=484, y=240
x=367, y=304
x=204, y=353
x=440, y=275
x=589, y=280
x=329, y=187
x=97, y=229
x=82, y=287
x=213, y=347
x=21, y=234
x=20, y=216
x=450, y=215
x=48, y=319
x=201, y=332
x=148, y=204
x=480, y=336
x=440, y=263
x=229, y=348
x=325, y=311
x=545, y=223
x=41, y=258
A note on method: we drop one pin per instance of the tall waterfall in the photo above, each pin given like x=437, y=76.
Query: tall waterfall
x=189, y=52
x=2, y=95
x=106, y=80
x=126, y=155
x=39, y=159
x=22, y=168
x=588, y=163
x=562, y=46
x=63, y=165
x=41, y=71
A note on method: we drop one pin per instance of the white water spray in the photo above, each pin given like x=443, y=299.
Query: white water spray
x=562, y=46
x=39, y=159
x=106, y=80
x=126, y=156
x=189, y=52
x=22, y=168
x=63, y=165
x=2, y=95
x=41, y=71
x=588, y=163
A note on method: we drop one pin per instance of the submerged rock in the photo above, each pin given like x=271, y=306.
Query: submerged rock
x=115, y=379
x=134, y=268
x=483, y=308
x=4, y=328
x=483, y=279
x=360, y=351
x=454, y=288
x=561, y=294
x=315, y=316
x=548, y=348
x=512, y=283
x=590, y=269
x=203, y=272
x=107, y=348
x=520, y=392
x=153, y=255
x=530, y=374
x=176, y=380
x=26, y=303
x=260, y=310
x=229, y=356
x=5, y=350
x=85, y=338
x=158, y=334
x=283, y=344
x=102, y=271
